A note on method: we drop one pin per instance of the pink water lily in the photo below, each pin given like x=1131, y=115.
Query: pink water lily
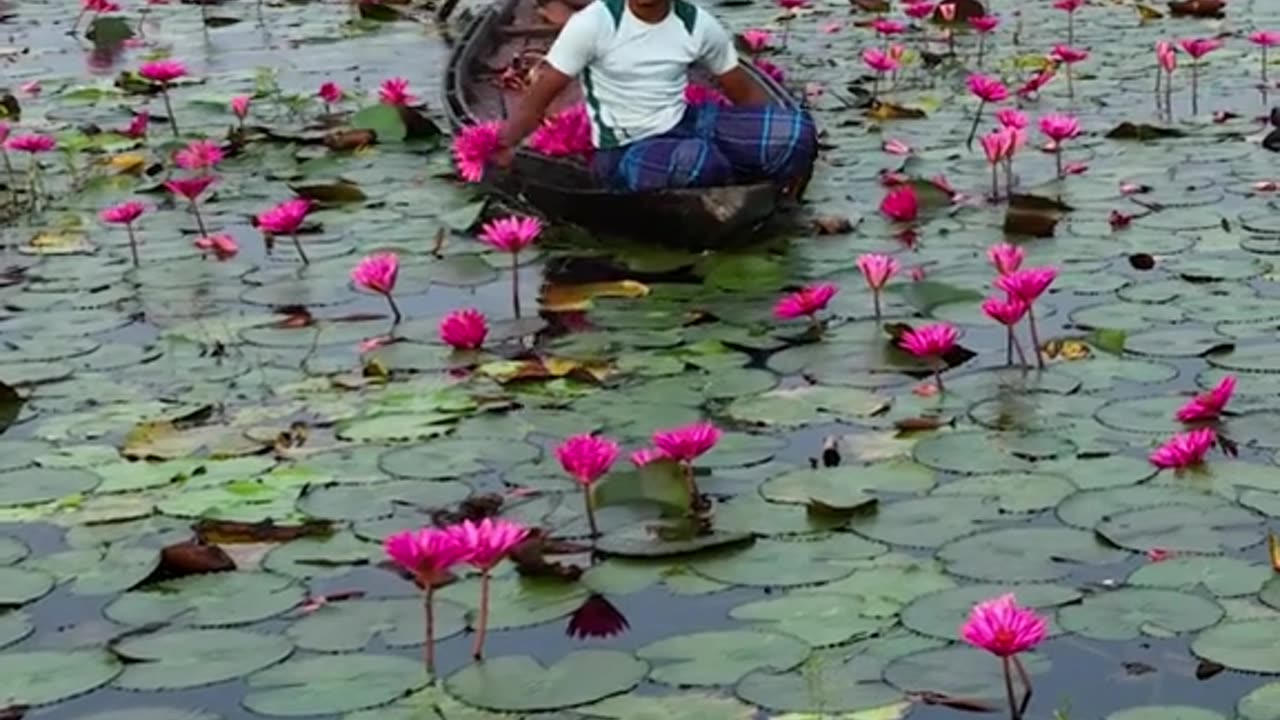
x=901, y=204
x=1184, y=450
x=464, y=329
x=876, y=270
x=191, y=189
x=222, y=245
x=644, y=456
x=1265, y=39
x=806, y=302
x=1198, y=48
x=931, y=343
x=887, y=26
x=919, y=10
x=125, y=214
x=202, y=155
x=988, y=90
x=137, y=127
x=427, y=554
x=770, y=69
x=1003, y=628
x=240, y=107
x=1012, y=118
x=378, y=273
x=1208, y=406
x=285, y=219
x=163, y=73
x=1059, y=129
x=486, y=542
x=32, y=144
x=948, y=11
x=1070, y=7
x=896, y=147
x=983, y=25
x=1037, y=82
x=1028, y=285
x=1008, y=312
x=330, y=93
x=587, y=458
x=395, y=91
x=1067, y=54
x=512, y=234
x=998, y=147
x=473, y=146
x=684, y=445
x=757, y=39
x=1006, y=258
x=879, y=60
x=566, y=133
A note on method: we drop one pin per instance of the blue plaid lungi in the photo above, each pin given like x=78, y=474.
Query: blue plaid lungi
x=714, y=145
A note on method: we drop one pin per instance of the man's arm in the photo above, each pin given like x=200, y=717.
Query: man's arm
x=719, y=57
x=741, y=89
x=573, y=49
x=549, y=83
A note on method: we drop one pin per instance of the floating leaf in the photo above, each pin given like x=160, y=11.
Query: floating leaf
x=939, y=614
x=1248, y=646
x=958, y=671
x=1183, y=528
x=219, y=599
x=45, y=677
x=332, y=684
x=1261, y=704
x=350, y=625
x=519, y=683
x=720, y=658
x=783, y=563
x=685, y=706
x=1130, y=613
x=1165, y=712
x=191, y=658
x=820, y=619
x=1221, y=576
x=1025, y=554
x=384, y=120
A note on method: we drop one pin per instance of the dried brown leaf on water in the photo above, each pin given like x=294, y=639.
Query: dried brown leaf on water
x=1198, y=8
x=192, y=557
x=13, y=712
x=1134, y=668
x=333, y=193
x=530, y=557
x=871, y=6
x=1273, y=550
x=1142, y=131
x=349, y=140
x=922, y=423
x=1147, y=13
x=225, y=532
x=974, y=705
x=965, y=9
x=10, y=405
x=1033, y=215
x=889, y=111
x=1207, y=669
x=474, y=508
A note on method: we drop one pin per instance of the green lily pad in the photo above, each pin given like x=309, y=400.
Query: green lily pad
x=16, y=454
x=752, y=514
x=15, y=626
x=429, y=702
x=784, y=562
x=1183, y=528
x=454, y=457
x=1261, y=704
x=958, y=671
x=928, y=522
x=321, y=557
x=19, y=585
x=890, y=580
x=183, y=659
x=12, y=550
x=741, y=449
x=847, y=487
x=1270, y=593
x=1166, y=712
x=153, y=713
x=219, y=599
x=1087, y=508
x=1254, y=358
x=44, y=677
x=820, y=619
x=652, y=540
x=101, y=571
x=1130, y=613
x=841, y=680
x=331, y=684
x=33, y=486
x=1024, y=492
x=1178, y=342
x=1025, y=554
x=807, y=405
x=942, y=613
x=1248, y=646
x=973, y=453
x=1104, y=472
x=398, y=622
x=720, y=658
x=685, y=706
x=1222, y=576
x=374, y=500
x=519, y=683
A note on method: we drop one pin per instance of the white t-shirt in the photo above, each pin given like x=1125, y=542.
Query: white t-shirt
x=634, y=73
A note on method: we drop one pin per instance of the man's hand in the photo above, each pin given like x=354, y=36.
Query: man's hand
x=504, y=157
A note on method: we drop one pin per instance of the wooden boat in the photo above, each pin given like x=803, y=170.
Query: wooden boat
x=564, y=189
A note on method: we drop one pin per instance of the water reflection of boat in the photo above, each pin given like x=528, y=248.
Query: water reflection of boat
x=479, y=86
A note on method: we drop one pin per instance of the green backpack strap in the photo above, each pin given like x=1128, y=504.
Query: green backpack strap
x=686, y=11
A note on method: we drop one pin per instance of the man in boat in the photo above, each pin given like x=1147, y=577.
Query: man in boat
x=633, y=59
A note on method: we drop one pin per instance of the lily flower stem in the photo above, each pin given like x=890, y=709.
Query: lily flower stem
x=1071, y=85
x=995, y=180
x=1017, y=345
x=1195, y=88
x=428, y=608
x=1026, y=685
x=1264, y=65
x=8, y=168
x=168, y=107
x=395, y=310
x=1014, y=714
x=973, y=131
x=133, y=243
x=195, y=209
x=1035, y=337
x=591, y=511
x=515, y=283
x=1071, y=29
x=307, y=261
x=875, y=298
x=477, y=650
x=1057, y=157
x=982, y=46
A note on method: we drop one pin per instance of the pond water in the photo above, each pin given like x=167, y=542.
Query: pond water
x=242, y=402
